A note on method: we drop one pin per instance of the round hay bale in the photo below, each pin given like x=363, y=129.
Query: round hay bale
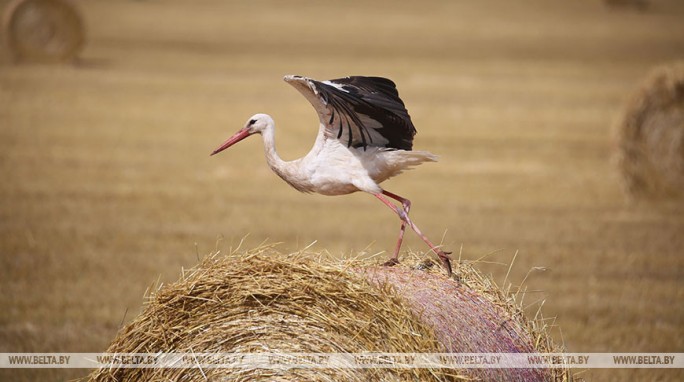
x=264, y=301
x=650, y=136
x=43, y=30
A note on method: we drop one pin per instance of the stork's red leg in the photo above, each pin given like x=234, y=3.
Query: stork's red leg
x=406, y=204
x=403, y=215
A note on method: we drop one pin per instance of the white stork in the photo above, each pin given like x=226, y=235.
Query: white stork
x=365, y=137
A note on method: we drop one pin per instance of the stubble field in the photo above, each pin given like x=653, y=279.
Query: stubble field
x=107, y=184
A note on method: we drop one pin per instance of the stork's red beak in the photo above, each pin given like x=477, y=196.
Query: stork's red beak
x=240, y=135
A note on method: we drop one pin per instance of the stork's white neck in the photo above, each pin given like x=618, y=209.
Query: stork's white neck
x=291, y=171
x=272, y=158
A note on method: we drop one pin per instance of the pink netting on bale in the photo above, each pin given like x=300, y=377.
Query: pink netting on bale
x=468, y=319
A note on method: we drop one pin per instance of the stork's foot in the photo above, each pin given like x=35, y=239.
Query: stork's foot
x=391, y=262
x=446, y=261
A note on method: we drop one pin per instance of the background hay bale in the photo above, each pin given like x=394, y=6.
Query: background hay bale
x=640, y=5
x=264, y=301
x=43, y=30
x=650, y=136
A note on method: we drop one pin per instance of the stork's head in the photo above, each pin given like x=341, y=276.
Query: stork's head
x=255, y=125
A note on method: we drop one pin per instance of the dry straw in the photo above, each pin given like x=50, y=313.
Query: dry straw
x=265, y=301
x=650, y=136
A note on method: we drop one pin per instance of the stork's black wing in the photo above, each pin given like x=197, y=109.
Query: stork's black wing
x=360, y=111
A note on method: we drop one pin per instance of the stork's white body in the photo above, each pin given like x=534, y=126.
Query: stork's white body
x=331, y=168
x=365, y=137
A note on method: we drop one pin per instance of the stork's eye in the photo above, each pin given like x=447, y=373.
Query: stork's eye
x=252, y=121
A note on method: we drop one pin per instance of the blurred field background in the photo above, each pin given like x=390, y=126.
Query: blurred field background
x=107, y=184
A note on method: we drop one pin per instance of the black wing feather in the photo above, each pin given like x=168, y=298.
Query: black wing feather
x=357, y=99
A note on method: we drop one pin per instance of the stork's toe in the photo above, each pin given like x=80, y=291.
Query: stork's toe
x=391, y=262
x=446, y=261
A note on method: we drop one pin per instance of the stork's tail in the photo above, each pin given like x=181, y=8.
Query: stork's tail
x=401, y=160
x=414, y=158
